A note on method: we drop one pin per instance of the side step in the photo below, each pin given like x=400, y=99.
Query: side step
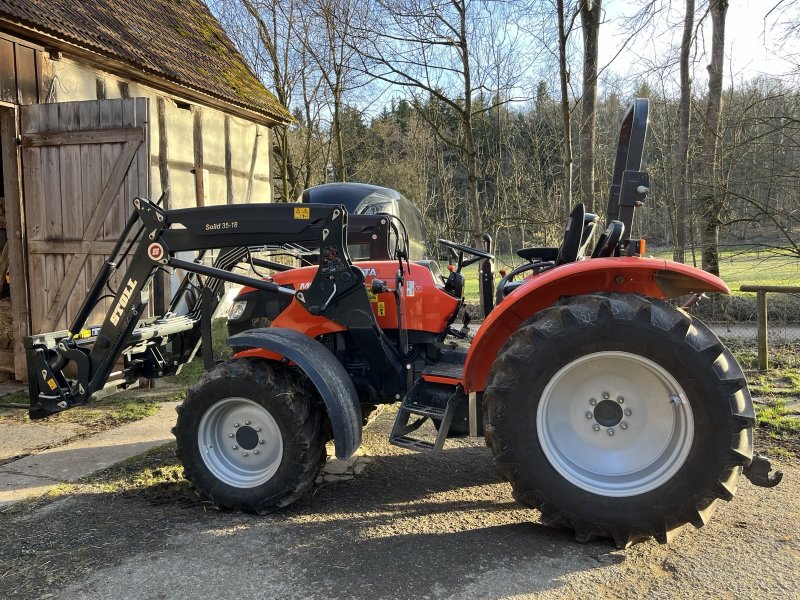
x=410, y=407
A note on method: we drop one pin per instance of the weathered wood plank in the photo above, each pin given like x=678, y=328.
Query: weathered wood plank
x=253, y=161
x=8, y=79
x=27, y=76
x=183, y=165
x=16, y=238
x=163, y=150
x=228, y=162
x=197, y=140
x=53, y=275
x=92, y=136
x=71, y=207
x=95, y=247
x=91, y=188
x=3, y=266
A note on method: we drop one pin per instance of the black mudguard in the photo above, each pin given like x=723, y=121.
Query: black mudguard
x=326, y=373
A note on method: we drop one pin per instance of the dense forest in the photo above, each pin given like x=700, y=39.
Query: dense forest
x=498, y=116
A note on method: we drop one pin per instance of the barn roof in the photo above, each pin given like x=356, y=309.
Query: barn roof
x=179, y=41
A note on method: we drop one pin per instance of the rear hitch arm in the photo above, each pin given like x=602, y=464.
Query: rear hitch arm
x=758, y=472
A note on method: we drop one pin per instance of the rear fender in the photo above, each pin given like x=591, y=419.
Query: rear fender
x=323, y=369
x=646, y=276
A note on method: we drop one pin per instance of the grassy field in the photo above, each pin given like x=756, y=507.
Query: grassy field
x=738, y=265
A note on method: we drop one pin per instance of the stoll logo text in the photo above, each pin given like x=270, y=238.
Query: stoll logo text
x=123, y=301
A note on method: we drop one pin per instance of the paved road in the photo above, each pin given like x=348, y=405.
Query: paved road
x=409, y=526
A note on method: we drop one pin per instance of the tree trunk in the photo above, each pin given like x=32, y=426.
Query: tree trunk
x=682, y=159
x=590, y=21
x=712, y=199
x=564, y=77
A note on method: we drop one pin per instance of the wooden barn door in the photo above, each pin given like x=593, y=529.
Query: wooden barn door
x=83, y=164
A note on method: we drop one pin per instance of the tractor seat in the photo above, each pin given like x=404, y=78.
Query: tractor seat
x=538, y=254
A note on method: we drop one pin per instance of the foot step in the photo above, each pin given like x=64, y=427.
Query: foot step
x=410, y=406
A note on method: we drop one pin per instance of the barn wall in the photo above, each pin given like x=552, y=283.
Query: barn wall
x=236, y=172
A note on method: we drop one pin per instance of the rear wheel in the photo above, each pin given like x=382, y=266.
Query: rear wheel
x=250, y=436
x=618, y=416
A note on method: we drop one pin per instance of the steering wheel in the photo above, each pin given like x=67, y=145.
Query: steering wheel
x=609, y=240
x=466, y=249
x=462, y=249
x=571, y=244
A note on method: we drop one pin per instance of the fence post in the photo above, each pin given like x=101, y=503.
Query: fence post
x=763, y=357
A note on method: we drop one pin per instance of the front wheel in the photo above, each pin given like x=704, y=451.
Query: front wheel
x=618, y=416
x=250, y=436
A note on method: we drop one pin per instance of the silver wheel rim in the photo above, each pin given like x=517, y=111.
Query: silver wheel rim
x=240, y=442
x=588, y=446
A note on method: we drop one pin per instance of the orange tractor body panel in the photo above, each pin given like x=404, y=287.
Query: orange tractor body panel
x=421, y=293
x=656, y=278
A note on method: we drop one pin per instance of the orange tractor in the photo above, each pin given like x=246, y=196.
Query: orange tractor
x=607, y=408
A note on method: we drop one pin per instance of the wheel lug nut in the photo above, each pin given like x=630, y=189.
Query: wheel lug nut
x=235, y=424
x=596, y=427
x=592, y=401
x=620, y=399
x=258, y=429
x=244, y=453
x=623, y=425
x=260, y=441
x=255, y=451
x=628, y=412
x=606, y=395
x=247, y=422
x=230, y=435
x=588, y=414
x=610, y=431
x=235, y=447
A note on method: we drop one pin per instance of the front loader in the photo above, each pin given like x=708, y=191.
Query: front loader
x=610, y=410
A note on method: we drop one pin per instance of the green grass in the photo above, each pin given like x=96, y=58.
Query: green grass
x=111, y=411
x=738, y=266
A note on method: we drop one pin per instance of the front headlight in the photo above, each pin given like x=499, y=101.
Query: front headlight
x=237, y=310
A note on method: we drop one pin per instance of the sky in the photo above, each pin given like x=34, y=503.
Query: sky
x=752, y=45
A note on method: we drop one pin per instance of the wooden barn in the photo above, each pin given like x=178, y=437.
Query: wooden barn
x=102, y=101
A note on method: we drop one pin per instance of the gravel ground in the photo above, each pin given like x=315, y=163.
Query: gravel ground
x=408, y=526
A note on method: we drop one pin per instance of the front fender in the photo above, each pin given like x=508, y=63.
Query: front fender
x=650, y=277
x=323, y=369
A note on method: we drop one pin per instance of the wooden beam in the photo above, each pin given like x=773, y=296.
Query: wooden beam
x=228, y=162
x=253, y=160
x=183, y=165
x=197, y=139
x=15, y=231
x=3, y=266
x=95, y=248
x=91, y=136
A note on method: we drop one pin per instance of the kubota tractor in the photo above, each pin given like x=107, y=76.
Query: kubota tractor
x=607, y=408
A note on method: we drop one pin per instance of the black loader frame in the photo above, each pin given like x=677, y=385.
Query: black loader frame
x=65, y=368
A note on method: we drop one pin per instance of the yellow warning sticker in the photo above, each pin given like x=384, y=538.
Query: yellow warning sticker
x=381, y=309
x=302, y=213
x=51, y=383
x=372, y=297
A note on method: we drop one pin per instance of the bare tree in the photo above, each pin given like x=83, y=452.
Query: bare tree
x=682, y=157
x=433, y=49
x=564, y=30
x=711, y=198
x=591, y=14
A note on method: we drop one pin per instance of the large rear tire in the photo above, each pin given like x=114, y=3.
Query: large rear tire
x=250, y=436
x=618, y=416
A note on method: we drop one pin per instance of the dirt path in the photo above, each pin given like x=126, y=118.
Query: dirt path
x=409, y=526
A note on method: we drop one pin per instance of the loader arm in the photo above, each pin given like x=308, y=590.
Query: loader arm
x=65, y=368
